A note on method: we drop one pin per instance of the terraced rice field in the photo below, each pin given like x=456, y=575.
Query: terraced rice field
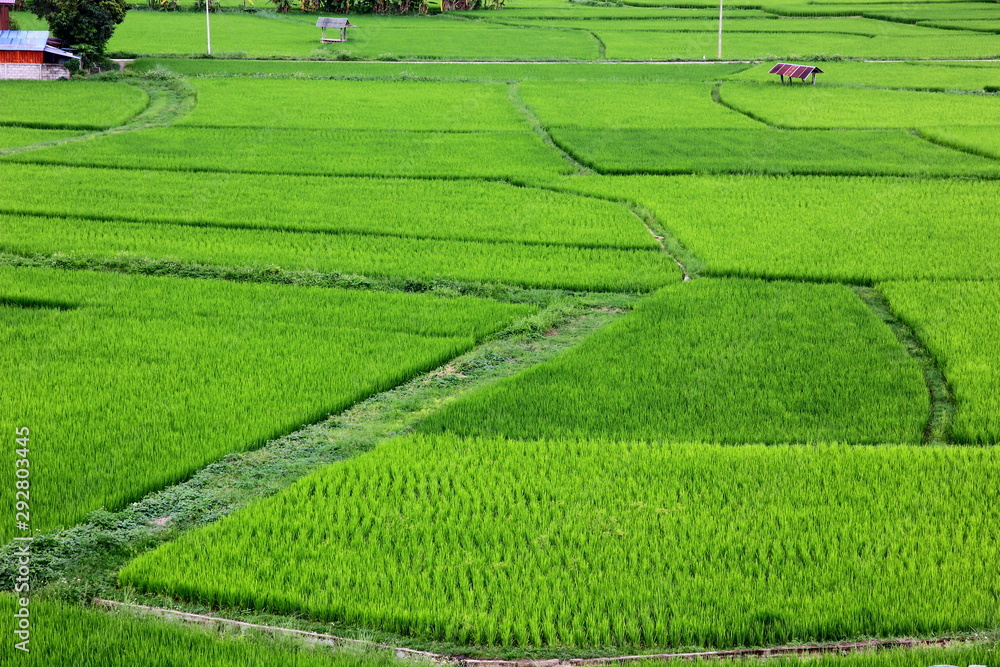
x=468, y=335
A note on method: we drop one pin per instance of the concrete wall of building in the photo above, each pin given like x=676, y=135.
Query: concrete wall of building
x=32, y=71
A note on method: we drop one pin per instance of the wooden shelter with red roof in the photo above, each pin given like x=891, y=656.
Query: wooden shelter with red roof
x=795, y=72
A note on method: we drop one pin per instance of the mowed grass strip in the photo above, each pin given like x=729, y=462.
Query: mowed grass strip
x=629, y=105
x=823, y=107
x=71, y=633
x=69, y=105
x=724, y=361
x=426, y=260
x=131, y=383
x=767, y=151
x=603, y=544
x=354, y=105
x=511, y=154
x=959, y=322
x=852, y=229
x=424, y=209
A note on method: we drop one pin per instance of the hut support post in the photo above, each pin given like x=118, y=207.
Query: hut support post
x=323, y=37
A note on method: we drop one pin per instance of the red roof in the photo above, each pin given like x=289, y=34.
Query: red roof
x=794, y=71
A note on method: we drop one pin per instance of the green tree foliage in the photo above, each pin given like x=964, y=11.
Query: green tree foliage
x=86, y=25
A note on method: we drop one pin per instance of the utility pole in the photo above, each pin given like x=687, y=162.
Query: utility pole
x=720, y=29
x=208, y=31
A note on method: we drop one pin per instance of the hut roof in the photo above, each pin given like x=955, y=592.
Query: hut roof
x=795, y=71
x=324, y=22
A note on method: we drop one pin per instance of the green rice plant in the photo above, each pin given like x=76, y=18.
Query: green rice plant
x=853, y=229
x=183, y=33
x=354, y=105
x=952, y=653
x=16, y=137
x=130, y=383
x=598, y=13
x=767, y=151
x=977, y=140
x=61, y=634
x=959, y=322
x=741, y=23
x=499, y=155
x=907, y=12
x=448, y=71
x=989, y=25
x=931, y=11
x=425, y=209
x=550, y=266
x=716, y=361
x=69, y=105
x=815, y=107
x=612, y=545
x=628, y=105
x=915, y=76
x=632, y=45
x=472, y=41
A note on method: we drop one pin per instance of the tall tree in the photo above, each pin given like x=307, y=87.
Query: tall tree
x=86, y=25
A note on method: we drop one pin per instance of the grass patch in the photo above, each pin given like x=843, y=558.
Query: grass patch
x=421, y=261
x=465, y=210
x=353, y=105
x=766, y=151
x=716, y=361
x=512, y=155
x=852, y=229
x=815, y=107
x=627, y=105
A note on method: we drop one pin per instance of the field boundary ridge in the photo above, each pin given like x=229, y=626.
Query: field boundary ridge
x=442, y=659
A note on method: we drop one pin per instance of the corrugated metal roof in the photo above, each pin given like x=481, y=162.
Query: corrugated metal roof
x=23, y=40
x=8, y=2
x=324, y=22
x=794, y=71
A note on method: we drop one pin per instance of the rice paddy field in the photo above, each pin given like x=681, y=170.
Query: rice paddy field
x=540, y=335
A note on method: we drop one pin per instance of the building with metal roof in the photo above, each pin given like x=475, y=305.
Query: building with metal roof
x=32, y=54
x=795, y=72
x=338, y=24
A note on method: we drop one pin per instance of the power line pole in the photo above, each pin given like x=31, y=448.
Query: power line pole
x=720, y=29
x=208, y=30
